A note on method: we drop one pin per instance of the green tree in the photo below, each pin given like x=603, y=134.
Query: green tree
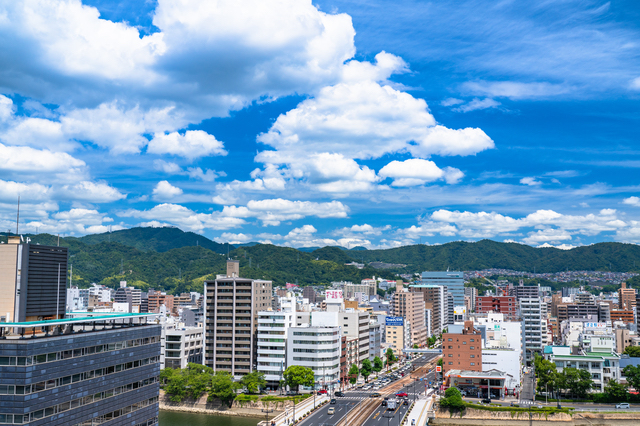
x=452, y=399
x=633, y=376
x=366, y=369
x=297, y=375
x=391, y=358
x=431, y=341
x=632, y=351
x=377, y=364
x=354, y=372
x=223, y=387
x=616, y=392
x=577, y=381
x=253, y=381
x=545, y=373
x=166, y=374
x=198, y=379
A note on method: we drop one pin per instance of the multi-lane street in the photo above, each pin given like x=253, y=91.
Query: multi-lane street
x=355, y=401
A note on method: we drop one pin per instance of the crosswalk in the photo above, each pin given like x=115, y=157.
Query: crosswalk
x=363, y=397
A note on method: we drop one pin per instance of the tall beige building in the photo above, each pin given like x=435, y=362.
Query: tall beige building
x=410, y=306
x=231, y=321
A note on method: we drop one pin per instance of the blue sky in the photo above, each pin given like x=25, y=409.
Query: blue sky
x=328, y=123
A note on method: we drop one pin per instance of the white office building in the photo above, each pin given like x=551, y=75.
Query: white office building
x=353, y=324
x=317, y=348
x=180, y=346
x=272, y=340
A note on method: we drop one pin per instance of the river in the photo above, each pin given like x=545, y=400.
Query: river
x=172, y=418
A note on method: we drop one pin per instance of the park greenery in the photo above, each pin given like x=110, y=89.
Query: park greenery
x=197, y=380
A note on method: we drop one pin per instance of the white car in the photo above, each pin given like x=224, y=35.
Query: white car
x=623, y=405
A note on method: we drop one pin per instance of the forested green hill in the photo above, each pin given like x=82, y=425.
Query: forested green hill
x=486, y=254
x=176, y=261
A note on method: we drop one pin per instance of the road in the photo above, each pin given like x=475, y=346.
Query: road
x=357, y=398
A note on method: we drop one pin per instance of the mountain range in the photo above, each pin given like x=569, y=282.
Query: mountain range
x=176, y=261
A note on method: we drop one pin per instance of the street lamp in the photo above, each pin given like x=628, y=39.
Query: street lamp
x=266, y=412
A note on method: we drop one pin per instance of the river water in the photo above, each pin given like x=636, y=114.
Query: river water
x=170, y=418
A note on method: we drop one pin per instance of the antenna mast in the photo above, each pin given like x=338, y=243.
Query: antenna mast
x=18, y=217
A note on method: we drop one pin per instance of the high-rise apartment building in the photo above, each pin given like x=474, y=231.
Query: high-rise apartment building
x=525, y=291
x=472, y=294
x=531, y=311
x=626, y=298
x=33, y=281
x=434, y=297
x=410, y=306
x=454, y=281
x=231, y=321
x=129, y=295
x=272, y=341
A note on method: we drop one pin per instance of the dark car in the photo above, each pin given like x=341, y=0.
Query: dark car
x=486, y=401
x=384, y=402
x=338, y=393
x=406, y=401
x=333, y=401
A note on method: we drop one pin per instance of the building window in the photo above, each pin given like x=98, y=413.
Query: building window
x=472, y=340
x=473, y=363
x=450, y=355
x=450, y=339
x=472, y=348
x=473, y=356
x=450, y=363
x=464, y=343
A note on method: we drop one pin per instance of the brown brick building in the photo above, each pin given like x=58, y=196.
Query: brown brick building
x=462, y=351
x=506, y=305
x=626, y=298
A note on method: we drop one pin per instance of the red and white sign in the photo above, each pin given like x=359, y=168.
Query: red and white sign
x=438, y=368
x=333, y=296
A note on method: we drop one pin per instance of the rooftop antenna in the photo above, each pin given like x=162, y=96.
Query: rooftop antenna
x=18, y=217
x=58, y=240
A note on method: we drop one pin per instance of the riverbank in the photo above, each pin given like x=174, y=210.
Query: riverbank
x=256, y=409
x=472, y=417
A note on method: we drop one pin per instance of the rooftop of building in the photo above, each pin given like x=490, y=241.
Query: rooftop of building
x=489, y=374
x=98, y=322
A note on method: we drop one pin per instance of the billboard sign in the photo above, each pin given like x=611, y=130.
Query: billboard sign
x=394, y=321
x=438, y=368
x=333, y=296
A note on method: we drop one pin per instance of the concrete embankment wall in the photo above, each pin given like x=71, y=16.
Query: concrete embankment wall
x=504, y=418
x=244, y=408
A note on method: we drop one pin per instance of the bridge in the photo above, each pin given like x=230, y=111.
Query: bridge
x=422, y=351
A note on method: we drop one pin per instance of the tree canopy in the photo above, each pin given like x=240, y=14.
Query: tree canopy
x=377, y=364
x=354, y=372
x=223, y=387
x=297, y=375
x=366, y=369
x=632, y=351
x=253, y=382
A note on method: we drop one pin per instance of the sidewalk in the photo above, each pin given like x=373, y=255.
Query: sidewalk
x=418, y=416
x=302, y=408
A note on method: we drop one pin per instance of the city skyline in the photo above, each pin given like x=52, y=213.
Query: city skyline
x=332, y=123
